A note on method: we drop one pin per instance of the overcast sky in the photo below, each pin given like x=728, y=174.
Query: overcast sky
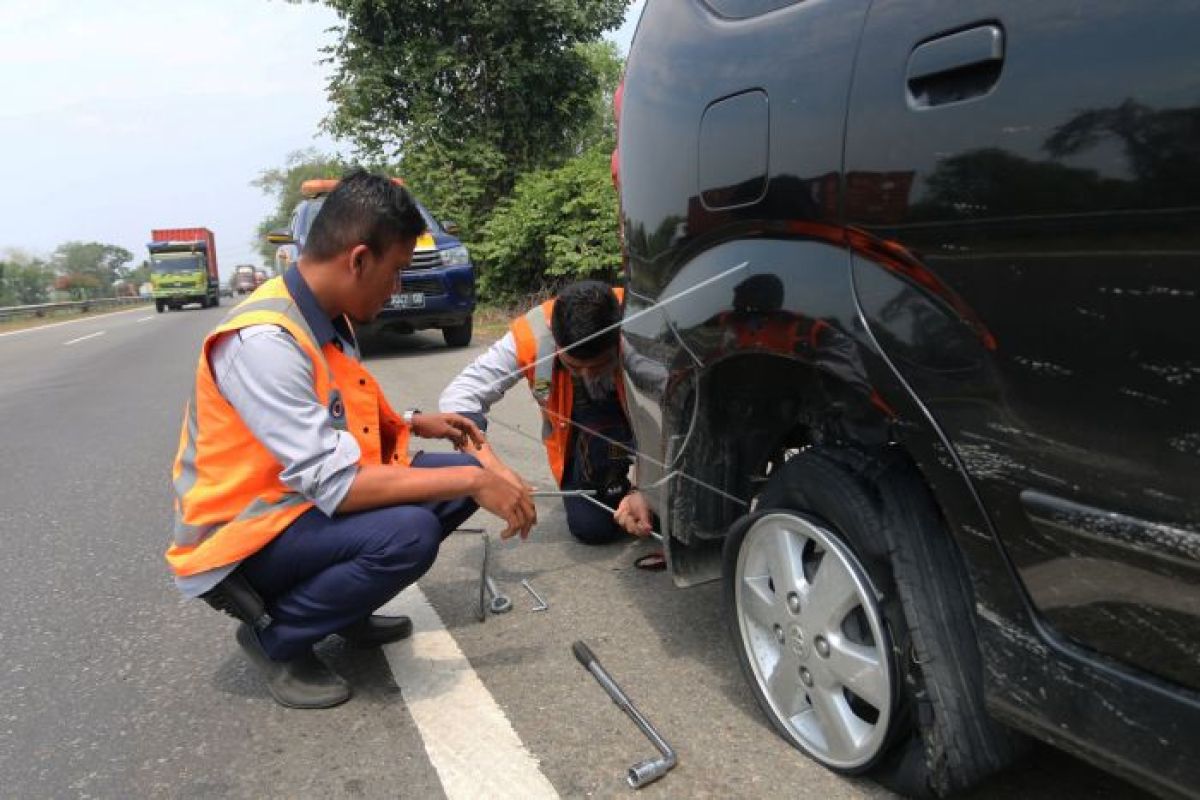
x=119, y=117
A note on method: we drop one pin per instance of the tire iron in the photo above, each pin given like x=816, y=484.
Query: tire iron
x=643, y=772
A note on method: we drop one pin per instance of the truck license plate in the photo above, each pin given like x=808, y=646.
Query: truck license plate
x=409, y=300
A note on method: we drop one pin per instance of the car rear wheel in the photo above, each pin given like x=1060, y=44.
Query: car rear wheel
x=814, y=639
x=159, y=306
x=852, y=615
x=459, y=335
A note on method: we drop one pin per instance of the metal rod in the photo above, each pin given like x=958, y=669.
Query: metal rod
x=595, y=502
x=565, y=493
x=643, y=772
x=542, y=604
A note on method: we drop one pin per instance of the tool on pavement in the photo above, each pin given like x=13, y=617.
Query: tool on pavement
x=643, y=772
x=499, y=603
x=542, y=604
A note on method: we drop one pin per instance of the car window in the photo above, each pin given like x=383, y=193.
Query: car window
x=744, y=9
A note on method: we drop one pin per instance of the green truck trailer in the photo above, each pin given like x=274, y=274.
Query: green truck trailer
x=183, y=268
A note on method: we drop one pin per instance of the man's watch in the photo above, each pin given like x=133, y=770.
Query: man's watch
x=408, y=415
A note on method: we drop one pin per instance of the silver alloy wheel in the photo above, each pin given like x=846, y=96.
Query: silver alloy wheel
x=815, y=639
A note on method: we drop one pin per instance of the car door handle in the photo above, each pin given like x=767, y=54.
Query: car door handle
x=955, y=67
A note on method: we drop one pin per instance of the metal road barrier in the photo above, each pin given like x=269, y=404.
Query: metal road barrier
x=45, y=309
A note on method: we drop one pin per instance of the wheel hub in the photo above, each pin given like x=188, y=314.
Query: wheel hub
x=799, y=642
x=815, y=639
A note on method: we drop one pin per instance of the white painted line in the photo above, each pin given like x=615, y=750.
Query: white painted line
x=85, y=338
x=69, y=322
x=146, y=319
x=468, y=739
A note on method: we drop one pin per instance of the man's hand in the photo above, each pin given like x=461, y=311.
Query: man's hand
x=633, y=515
x=455, y=427
x=491, y=462
x=510, y=502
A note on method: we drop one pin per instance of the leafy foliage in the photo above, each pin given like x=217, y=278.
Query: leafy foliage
x=24, y=280
x=89, y=269
x=283, y=183
x=558, y=225
x=473, y=94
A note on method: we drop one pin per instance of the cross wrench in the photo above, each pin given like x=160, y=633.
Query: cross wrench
x=500, y=603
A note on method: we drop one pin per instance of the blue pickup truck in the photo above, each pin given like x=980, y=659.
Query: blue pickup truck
x=437, y=290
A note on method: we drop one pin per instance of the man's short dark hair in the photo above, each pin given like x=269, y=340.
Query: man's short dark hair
x=581, y=310
x=363, y=209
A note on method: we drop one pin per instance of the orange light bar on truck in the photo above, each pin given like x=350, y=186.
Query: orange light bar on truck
x=319, y=186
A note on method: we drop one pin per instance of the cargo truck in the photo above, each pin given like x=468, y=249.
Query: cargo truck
x=183, y=268
x=243, y=279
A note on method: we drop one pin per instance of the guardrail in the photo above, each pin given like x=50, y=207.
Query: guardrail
x=45, y=309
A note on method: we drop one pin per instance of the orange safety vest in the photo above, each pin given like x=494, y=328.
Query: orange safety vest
x=229, y=500
x=550, y=383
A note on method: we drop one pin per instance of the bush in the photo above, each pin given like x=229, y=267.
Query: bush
x=556, y=226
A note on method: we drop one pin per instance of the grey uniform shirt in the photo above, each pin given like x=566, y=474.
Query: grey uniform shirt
x=485, y=381
x=268, y=379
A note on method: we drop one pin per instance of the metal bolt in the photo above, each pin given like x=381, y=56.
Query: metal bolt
x=822, y=647
x=806, y=676
x=779, y=634
x=793, y=602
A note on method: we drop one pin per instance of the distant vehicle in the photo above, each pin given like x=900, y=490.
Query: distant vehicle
x=437, y=290
x=242, y=280
x=183, y=268
x=260, y=277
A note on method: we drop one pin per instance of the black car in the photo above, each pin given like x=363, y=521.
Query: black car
x=918, y=282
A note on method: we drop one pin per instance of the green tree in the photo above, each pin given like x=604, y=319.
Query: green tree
x=24, y=279
x=90, y=268
x=140, y=274
x=468, y=95
x=558, y=225
x=283, y=185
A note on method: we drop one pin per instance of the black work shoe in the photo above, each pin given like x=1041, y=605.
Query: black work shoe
x=303, y=682
x=376, y=630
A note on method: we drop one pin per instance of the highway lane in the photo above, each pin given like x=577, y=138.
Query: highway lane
x=113, y=687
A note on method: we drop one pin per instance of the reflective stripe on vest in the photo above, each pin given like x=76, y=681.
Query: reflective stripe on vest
x=229, y=500
x=553, y=388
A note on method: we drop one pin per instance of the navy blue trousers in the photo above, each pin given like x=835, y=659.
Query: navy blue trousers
x=324, y=573
x=598, y=453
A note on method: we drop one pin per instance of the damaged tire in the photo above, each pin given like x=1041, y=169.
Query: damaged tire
x=851, y=612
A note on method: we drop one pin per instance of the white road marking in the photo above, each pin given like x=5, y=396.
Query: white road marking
x=68, y=322
x=468, y=739
x=146, y=319
x=85, y=338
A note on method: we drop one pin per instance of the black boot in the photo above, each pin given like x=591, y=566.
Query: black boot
x=377, y=630
x=303, y=682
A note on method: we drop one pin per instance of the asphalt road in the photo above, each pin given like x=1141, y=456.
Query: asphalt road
x=114, y=687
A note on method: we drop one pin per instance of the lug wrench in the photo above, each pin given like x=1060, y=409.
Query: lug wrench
x=542, y=604
x=643, y=772
x=586, y=494
x=500, y=603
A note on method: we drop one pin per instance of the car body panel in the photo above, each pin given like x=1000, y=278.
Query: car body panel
x=1066, y=219
x=1039, y=367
